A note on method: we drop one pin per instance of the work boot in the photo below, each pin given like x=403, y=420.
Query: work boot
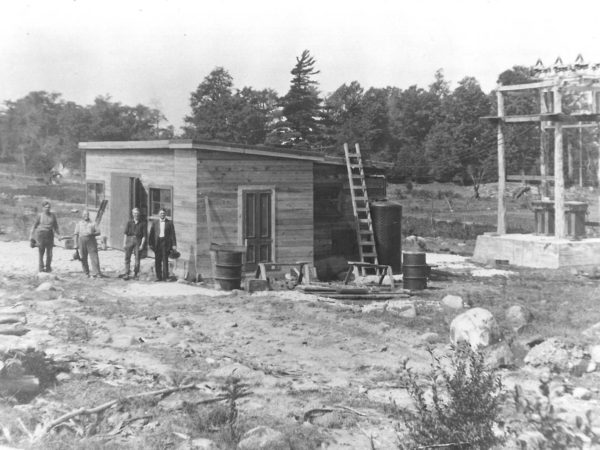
x=126, y=277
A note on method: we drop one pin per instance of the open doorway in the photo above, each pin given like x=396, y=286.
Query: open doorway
x=127, y=192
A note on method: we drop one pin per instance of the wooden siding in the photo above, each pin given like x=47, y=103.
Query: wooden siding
x=221, y=175
x=334, y=224
x=158, y=168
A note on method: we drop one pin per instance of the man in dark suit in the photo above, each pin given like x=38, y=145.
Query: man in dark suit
x=162, y=241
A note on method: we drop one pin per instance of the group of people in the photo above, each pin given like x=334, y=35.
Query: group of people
x=161, y=239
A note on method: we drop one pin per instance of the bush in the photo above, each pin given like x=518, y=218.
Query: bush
x=541, y=416
x=463, y=407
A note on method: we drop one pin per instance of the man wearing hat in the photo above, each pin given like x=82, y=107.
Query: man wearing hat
x=134, y=239
x=42, y=234
x=162, y=241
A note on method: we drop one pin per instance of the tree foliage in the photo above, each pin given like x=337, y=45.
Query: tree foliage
x=41, y=129
x=302, y=104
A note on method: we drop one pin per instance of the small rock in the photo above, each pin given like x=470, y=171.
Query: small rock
x=46, y=276
x=532, y=440
x=45, y=286
x=430, y=337
x=582, y=393
x=263, y=438
x=203, y=444
x=374, y=307
x=518, y=317
x=592, y=366
x=453, y=302
x=594, y=352
x=499, y=355
x=401, y=308
x=476, y=326
x=63, y=376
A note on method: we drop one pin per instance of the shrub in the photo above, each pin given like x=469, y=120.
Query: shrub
x=540, y=415
x=463, y=407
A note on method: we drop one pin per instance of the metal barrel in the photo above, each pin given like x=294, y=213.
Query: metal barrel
x=229, y=269
x=387, y=228
x=414, y=271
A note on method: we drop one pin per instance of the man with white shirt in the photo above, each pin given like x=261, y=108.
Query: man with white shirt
x=162, y=240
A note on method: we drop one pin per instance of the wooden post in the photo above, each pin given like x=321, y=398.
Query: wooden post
x=559, y=181
x=570, y=166
x=543, y=149
x=501, y=229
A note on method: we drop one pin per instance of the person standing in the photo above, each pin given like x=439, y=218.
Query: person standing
x=85, y=240
x=162, y=240
x=42, y=233
x=134, y=239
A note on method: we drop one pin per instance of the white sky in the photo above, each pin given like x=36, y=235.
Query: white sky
x=156, y=52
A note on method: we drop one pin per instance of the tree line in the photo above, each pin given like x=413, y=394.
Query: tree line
x=431, y=132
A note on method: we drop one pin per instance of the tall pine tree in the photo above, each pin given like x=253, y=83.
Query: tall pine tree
x=302, y=105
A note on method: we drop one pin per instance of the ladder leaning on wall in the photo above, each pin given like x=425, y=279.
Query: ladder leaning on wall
x=360, y=206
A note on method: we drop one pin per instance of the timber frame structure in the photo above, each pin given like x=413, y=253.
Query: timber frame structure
x=551, y=84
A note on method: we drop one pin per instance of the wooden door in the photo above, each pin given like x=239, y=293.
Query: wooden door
x=120, y=207
x=257, y=228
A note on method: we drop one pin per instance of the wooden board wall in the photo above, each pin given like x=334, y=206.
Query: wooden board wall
x=158, y=168
x=334, y=218
x=219, y=177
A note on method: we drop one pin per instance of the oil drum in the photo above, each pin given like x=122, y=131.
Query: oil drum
x=414, y=271
x=387, y=228
x=229, y=269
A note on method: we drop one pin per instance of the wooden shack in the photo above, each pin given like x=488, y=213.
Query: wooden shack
x=282, y=205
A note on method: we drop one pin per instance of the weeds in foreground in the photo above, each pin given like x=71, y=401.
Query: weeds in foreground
x=457, y=404
x=540, y=415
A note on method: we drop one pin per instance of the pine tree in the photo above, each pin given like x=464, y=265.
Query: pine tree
x=301, y=105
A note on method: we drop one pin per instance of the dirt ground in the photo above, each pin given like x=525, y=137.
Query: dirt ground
x=296, y=353
x=324, y=373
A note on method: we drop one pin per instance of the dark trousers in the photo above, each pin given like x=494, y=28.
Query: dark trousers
x=132, y=246
x=161, y=259
x=45, y=243
x=88, y=246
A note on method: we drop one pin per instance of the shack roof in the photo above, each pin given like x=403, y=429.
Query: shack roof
x=272, y=152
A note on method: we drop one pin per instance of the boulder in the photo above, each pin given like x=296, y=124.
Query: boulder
x=453, y=302
x=592, y=332
x=554, y=354
x=263, y=438
x=476, y=326
x=518, y=316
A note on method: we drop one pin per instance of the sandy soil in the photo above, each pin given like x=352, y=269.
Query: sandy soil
x=295, y=351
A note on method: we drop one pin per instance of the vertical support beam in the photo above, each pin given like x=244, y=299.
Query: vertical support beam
x=580, y=157
x=501, y=229
x=543, y=148
x=559, y=181
x=543, y=161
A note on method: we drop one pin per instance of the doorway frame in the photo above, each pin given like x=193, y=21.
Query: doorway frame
x=240, y=214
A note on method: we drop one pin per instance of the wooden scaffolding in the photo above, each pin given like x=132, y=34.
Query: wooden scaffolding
x=551, y=84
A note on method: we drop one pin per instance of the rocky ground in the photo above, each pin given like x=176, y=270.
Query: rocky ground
x=309, y=372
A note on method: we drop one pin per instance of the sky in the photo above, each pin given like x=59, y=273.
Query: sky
x=156, y=52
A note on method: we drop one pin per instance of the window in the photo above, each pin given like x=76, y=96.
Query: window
x=94, y=194
x=161, y=198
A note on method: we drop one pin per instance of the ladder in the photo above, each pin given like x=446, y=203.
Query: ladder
x=360, y=206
